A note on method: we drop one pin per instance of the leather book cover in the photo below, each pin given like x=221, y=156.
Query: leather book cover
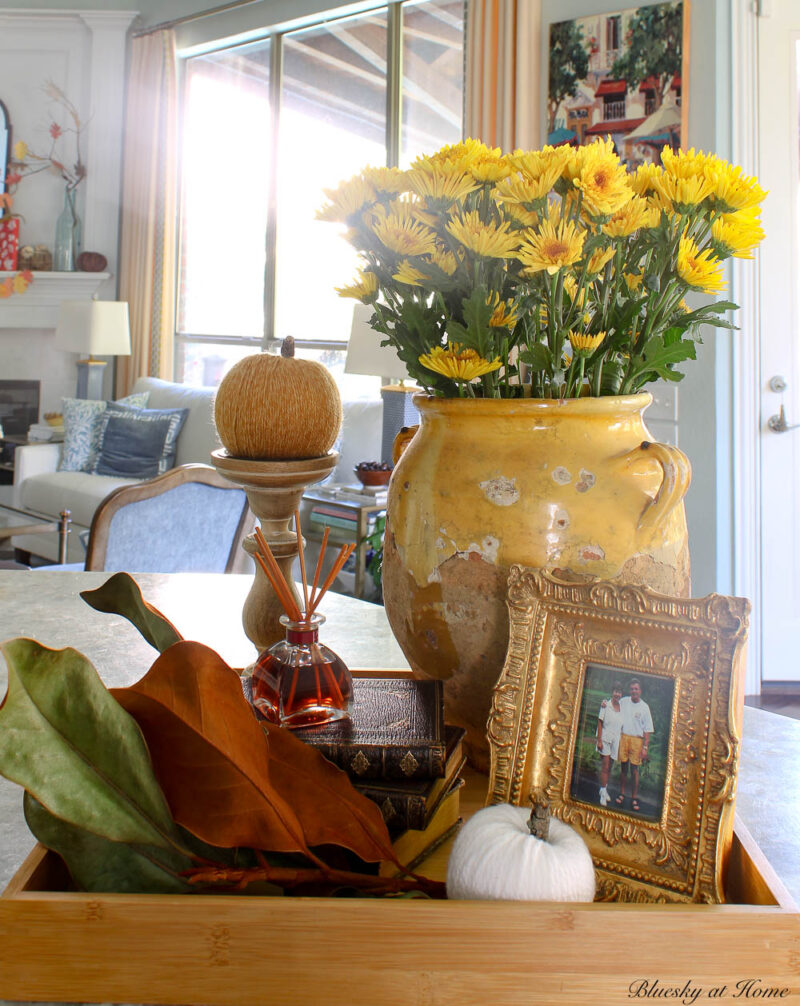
x=411, y=804
x=395, y=731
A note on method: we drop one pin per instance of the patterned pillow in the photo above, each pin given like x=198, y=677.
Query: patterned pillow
x=138, y=443
x=82, y=429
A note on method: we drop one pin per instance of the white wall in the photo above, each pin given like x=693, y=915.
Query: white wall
x=83, y=53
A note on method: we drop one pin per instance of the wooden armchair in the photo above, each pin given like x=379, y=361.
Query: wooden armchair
x=187, y=520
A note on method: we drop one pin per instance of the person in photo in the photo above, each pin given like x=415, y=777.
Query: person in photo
x=637, y=728
x=609, y=727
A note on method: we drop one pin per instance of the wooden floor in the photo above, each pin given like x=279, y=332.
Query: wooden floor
x=786, y=705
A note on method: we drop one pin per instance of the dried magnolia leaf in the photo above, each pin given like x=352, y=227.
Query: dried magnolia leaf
x=96, y=864
x=65, y=740
x=120, y=595
x=329, y=807
x=230, y=783
x=209, y=753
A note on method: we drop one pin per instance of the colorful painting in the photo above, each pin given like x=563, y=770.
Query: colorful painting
x=622, y=75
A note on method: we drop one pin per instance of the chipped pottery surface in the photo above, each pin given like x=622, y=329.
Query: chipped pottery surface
x=573, y=485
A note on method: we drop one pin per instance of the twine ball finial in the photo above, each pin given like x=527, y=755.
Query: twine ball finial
x=271, y=407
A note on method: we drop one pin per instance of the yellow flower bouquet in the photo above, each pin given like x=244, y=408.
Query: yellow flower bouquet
x=549, y=273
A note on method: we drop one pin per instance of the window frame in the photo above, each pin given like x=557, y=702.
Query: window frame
x=394, y=125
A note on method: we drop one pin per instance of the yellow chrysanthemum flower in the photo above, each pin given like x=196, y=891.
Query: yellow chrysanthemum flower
x=578, y=158
x=386, y=181
x=364, y=288
x=402, y=234
x=442, y=186
x=490, y=168
x=688, y=163
x=504, y=314
x=734, y=191
x=644, y=180
x=604, y=184
x=458, y=157
x=487, y=240
x=347, y=200
x=404, y=208
x=407, y=273
x=571, y=290
x=737, y=234
x=554, y=244
x=458, y=364
x=541, y=167
x=684, y=193
x=637, y=213
x=520, y=217
x=699, y=270
x=523, y=191
x=445, y=260
x=20, y=150
x=632, y=281
x=598, y=260
x=584, y=344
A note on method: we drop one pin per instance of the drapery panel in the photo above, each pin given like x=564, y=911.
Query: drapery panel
x=503, y=72
x=149, y=209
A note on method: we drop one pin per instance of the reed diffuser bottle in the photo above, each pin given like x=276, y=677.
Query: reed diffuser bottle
x=300, y=682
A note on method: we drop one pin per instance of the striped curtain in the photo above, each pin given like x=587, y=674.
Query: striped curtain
x=149, y=209
x=503, y=72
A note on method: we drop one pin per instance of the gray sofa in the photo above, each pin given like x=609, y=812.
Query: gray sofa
x=40, y=488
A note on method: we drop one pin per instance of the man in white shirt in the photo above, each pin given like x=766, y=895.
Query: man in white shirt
x=637, y=726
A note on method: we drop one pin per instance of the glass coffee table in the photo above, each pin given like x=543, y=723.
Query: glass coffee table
x=13, y=522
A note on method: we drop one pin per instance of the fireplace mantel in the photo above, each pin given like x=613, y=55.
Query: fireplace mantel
x=38, y=306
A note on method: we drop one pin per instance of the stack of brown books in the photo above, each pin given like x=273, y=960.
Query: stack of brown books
x=398, y=752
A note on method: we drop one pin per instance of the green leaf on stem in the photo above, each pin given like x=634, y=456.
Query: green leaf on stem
x=65, y=740
x=120, y=595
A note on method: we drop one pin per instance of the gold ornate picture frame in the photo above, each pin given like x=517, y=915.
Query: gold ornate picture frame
x=570, y=646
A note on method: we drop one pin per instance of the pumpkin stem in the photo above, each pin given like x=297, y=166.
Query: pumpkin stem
x=539, y=821
x=287, y=346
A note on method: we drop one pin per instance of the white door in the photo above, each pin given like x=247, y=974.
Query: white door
x=779, y=283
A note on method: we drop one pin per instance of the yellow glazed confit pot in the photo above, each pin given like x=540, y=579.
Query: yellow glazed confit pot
x=573, y=485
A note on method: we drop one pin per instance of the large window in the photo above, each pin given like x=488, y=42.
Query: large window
x=266, y=127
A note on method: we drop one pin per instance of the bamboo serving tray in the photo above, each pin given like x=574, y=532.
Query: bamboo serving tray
x=62, y=946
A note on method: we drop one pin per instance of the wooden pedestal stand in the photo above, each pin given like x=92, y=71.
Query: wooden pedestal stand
x=274, y=490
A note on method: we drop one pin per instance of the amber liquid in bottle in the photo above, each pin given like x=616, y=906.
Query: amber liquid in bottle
x=300, y=682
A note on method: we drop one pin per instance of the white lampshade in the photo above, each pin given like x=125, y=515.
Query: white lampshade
x=365, y=354
x=95, y=327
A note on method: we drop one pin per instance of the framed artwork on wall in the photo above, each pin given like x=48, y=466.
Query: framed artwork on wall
x=621, y=709
x=623, y=74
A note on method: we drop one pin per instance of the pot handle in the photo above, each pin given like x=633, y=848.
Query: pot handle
x=677, y=471
x=402, y=440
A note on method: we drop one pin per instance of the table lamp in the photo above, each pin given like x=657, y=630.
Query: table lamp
x=366, y=355
x=93, y=327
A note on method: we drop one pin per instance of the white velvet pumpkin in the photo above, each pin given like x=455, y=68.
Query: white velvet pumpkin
x=495, y=857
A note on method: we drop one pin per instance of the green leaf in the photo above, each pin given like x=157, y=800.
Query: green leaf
x=72, y=746
x=120, y=595
x=97, y=864
x=538, y=357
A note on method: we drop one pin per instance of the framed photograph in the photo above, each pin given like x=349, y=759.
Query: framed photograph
x=621, y=709
x=623, y=74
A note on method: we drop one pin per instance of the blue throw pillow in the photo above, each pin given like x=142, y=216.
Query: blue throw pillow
x=82, y=429
x=138, y=443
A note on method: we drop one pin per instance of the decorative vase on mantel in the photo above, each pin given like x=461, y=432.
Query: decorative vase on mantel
x=575, y=485
x=68, y=234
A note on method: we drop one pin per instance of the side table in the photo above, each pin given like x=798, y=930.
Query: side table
x=342, y=536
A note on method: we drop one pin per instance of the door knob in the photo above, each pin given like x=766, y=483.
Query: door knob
x=778, y=423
